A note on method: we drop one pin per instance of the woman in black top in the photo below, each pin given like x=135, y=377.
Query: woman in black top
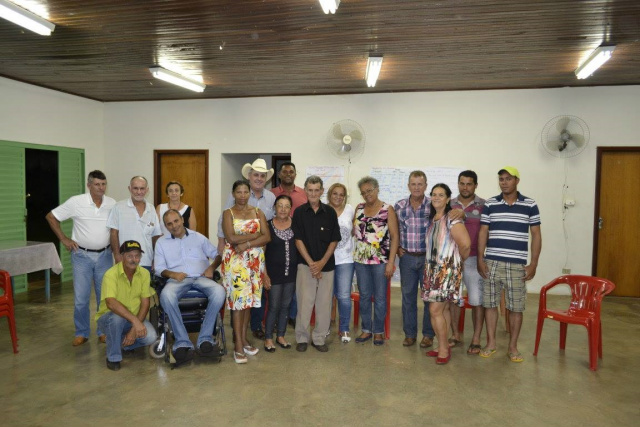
x=280, y=278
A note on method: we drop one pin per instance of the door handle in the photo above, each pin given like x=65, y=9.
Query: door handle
x=600, y=223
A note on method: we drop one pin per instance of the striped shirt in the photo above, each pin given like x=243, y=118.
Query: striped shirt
x=509, y=228
x=413, y=224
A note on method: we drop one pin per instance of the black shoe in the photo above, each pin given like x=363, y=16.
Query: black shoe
x=126, y=353
x=285, y=346
x=259, y=334
x=323, y=348
x=292, y=321
x=114, y=366
x=182, y=355
x=301, y=346
x=271, y=349
x=208, y=349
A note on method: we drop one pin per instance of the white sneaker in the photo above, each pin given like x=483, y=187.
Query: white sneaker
x=344, y=337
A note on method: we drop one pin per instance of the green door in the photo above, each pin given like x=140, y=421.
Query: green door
x=13, y=191
x=12, y=194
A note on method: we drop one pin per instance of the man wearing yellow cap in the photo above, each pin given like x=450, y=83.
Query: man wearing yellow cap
x=503, y=251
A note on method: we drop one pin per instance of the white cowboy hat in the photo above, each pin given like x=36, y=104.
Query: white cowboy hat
x=258, y=165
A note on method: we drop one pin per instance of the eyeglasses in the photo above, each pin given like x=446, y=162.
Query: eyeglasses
x=367, y=192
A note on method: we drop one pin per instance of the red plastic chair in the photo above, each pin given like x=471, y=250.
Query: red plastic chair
x=355, y=297
x=6, y=307
x=586, y=299
x=462, y=313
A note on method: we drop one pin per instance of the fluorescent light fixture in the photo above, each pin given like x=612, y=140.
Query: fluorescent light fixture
x=24, y=18
x=594, y=61
x=329, y=6
x=177, y=79
x=374, y=64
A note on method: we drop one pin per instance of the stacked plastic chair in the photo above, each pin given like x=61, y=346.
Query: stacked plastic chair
x=6, y=307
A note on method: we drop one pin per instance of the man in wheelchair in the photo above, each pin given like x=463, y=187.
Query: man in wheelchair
x=183, y=258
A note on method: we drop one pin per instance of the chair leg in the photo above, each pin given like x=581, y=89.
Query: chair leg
x=563, y=335
x=600, y=340
x=387, y=319
x=356, y=311
x=593, y=347
x=538, y=334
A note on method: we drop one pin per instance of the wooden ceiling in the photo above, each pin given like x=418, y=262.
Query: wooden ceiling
x=102, y=49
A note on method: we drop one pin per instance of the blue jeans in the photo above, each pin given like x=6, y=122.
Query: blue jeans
x=257, y=314
x=116, y=328
x=171, y=294
x=372, y=282
x=411, y=275
x=279, y=300
x=342, y=291
x=293, y=308
x=87, y=267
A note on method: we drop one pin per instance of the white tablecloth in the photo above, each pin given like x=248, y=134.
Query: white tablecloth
x=21, y=257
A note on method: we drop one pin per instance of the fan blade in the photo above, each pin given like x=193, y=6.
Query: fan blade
x=562, y=124
x=337, y=132
x=578, y=140
x=554, y=145
x=356, y=134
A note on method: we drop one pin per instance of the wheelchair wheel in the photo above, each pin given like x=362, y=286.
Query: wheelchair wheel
x=158, y=349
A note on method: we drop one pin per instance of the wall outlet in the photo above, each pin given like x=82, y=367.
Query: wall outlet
x=566, y=271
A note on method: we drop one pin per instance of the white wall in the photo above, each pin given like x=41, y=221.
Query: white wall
x=480, y=130
x=41, y=116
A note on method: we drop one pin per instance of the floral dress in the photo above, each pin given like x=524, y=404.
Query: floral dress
x=372, y=236
x=242, y=273
x=443, y=266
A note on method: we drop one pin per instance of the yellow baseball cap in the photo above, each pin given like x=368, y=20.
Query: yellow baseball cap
x=510, y=170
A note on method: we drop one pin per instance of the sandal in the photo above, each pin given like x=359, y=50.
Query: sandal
x=250, y=350
x=487, y=352
x=515, y=357
x=239, y=357
x=454, y=342
x=474, y=349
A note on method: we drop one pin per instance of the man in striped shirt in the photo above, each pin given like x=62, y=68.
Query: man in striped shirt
x=504, y=240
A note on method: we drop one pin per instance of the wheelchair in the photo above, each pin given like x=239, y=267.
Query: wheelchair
x=193, y=306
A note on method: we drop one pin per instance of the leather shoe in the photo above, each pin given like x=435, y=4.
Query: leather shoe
x=408, y=342
x=208, y=349
x=129, y=352
x=301, y=347
x=79, y=340
x=102, y=338
x=378, y=339
x=322, y=348
x=270, y=349
x=426, y=342
x=114, y=366
x=259, y=334
x=182, y=355
x=362, y=338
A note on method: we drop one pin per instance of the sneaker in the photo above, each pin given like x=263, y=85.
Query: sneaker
x=345, y=337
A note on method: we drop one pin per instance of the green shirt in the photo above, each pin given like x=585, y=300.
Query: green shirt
x=115, y=284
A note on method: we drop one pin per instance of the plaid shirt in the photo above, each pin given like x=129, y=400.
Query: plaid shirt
x=413, y=224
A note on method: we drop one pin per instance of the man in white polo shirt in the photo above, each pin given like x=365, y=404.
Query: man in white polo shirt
x=89, y=247
x=135, y=219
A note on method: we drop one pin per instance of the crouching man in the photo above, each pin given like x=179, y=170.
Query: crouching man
x=124, y=305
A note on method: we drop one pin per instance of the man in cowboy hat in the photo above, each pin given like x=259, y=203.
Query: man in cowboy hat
x=258, y=175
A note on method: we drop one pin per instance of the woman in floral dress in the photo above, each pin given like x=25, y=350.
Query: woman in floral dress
x=448, y=245
x=376, y=232
x=246, y=232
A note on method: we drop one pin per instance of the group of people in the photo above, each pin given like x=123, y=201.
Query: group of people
x=303, y=253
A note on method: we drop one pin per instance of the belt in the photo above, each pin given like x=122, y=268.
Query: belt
x=94, y=250
x=415, y=253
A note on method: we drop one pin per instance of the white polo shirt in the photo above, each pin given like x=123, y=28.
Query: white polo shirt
x=131, y=226
x=90, y=229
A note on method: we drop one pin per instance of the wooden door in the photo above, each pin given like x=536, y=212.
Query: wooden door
x=617, y=222
x=191, y=169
